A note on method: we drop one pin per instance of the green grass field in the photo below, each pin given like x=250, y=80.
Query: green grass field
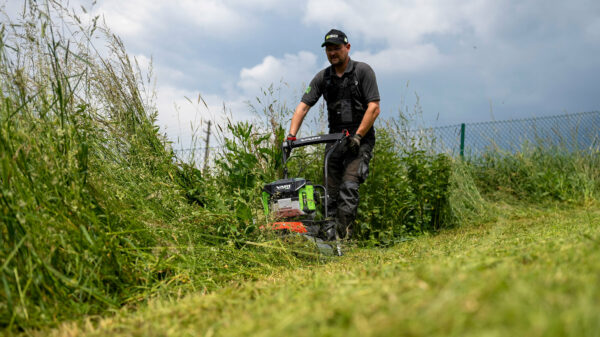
x=106, y=231
x=533, y=272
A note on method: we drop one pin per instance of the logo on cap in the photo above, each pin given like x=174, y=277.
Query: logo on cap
x=336, y=37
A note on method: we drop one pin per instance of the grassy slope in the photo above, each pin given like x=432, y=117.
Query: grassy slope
x=533, y=272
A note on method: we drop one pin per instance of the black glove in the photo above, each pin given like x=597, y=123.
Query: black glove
x=290, y=137
x=354, y=143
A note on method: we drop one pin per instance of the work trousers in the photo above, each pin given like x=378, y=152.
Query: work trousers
x=345, y=172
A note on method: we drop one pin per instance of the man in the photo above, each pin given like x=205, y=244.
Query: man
x=350, y=91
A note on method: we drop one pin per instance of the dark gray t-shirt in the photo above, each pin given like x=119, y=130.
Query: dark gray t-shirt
x=364, y=74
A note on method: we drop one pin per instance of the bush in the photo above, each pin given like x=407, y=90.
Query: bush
x=406, y=193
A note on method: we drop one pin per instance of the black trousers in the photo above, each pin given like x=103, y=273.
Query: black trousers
x=345, y=172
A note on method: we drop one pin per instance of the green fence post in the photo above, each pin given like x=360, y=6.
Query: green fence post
x=462, y=140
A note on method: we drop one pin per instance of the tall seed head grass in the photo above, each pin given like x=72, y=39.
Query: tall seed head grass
x=539, y=172
x=95, y=213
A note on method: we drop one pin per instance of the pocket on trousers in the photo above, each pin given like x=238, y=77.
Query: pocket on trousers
x=363, y=167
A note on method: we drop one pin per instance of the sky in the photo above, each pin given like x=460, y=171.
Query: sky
x=454, y=60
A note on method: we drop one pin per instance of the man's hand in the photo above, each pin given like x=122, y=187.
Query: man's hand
x=354, y=143
x=289, y=139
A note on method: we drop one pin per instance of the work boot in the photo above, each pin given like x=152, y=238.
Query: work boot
x=344, y=224
x=343, y=228
x=329, y=231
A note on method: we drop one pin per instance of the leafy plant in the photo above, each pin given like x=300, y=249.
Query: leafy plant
x=406, y=193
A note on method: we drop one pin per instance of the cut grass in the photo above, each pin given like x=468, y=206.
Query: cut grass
x=533, y=272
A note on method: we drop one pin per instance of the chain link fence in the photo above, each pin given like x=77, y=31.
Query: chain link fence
x=577, y=131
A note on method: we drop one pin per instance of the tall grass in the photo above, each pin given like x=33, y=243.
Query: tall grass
x=539, y=173
x=95, y=211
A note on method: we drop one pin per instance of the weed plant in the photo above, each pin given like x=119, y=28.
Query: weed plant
x=247, y=162
x=406, y=193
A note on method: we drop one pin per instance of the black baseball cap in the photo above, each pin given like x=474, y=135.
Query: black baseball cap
x=335, y=36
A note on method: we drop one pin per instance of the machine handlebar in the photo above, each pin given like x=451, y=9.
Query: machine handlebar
x=288, y=145
x=328, y=138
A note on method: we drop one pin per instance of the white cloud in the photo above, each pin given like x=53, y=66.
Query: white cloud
x=213, y=16
x=401, y=27
x=593, y=30
x=411, y=22
x=406, y=60
x=127, y=18
x=265, y=5
x=133, y=18
x=183, y=114
x=177, y=115
x=143, y=62
x=294, y=69
x=393, y=22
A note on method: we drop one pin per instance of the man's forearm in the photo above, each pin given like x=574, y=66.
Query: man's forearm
x=369, y=118
x=298, y=117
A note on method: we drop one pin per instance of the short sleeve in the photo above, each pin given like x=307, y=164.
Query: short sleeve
x=314, y=90
x=368, y=82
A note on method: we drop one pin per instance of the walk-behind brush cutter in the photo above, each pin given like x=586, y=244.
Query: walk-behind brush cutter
x=299, y=206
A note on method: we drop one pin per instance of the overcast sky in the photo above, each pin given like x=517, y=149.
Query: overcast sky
x=467, y=60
